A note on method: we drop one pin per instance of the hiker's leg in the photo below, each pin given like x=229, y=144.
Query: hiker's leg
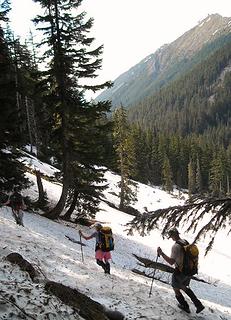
x=101, y=264
x=180, y=298
x=107, y=257
x=176, y=285
x=194, y=299
x=107, y=267
x=99, y=258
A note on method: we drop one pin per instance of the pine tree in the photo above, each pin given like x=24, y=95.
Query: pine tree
x=216, y=176
x=141, y=154
x=124, y=148
x=5, y=7
x=198, y=177
x=69, y=61
x=10, y=168
x=191, y=179
x=167, y=175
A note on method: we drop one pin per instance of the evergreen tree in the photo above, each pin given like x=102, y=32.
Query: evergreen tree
x=216, y=176
x=5, y=7
x=167, y=175
x=124, y=147
x=191, y=179
x=141, y=154
x=70, y=59
x=199, y=186
x=11, y=170
x=155, y=160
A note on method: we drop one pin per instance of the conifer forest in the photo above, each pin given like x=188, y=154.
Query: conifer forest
x=176, y=138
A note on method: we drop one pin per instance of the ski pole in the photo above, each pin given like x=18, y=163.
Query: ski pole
x=80, y=238
x=154, y=271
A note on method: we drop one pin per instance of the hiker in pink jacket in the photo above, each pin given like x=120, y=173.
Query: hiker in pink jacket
x=100, y=256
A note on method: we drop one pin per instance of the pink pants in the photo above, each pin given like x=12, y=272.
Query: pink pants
x=100, y=255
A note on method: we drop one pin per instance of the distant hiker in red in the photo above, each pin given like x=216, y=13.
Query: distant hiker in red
x=180, y=281
x=16, y=202
x=102, y=257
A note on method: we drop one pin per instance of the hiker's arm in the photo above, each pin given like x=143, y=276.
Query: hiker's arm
x=171, y=261
x=84, y=236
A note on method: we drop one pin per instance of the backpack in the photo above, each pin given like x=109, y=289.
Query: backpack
x=191, y=257
x=16, y=200
x=106, y=239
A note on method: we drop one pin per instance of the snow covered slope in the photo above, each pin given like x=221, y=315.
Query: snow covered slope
x=43, y=243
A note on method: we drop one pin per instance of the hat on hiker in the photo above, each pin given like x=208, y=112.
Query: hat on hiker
x=173, y=232
x=97, y=225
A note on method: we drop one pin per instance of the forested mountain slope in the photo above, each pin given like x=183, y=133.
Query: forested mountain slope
x=169, y=62
x=198, y=102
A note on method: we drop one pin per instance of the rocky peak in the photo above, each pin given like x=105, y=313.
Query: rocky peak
x=159, y=68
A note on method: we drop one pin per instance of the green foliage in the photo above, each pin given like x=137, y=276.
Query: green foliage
x=125, y=150
x=167, y=175
x=216, y=212
x=10, y=120
x=77, y=126
x=175, y=160
x=195, y=103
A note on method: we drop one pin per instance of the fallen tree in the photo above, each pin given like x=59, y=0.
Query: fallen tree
x=146, y=263
x=86, y=307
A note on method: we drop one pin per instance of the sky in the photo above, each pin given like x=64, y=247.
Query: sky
x=42, y=242
x=130, y=29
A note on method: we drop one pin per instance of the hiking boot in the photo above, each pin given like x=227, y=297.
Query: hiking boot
x=101, y=264
x=107, y=267
x=199, y=307
x=184, y=308
x=183, y=304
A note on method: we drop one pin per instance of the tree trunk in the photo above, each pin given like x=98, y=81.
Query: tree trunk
x=61, y=77
x=57, y=210
x=41, y=198
x=121, y=205
x=68, y=213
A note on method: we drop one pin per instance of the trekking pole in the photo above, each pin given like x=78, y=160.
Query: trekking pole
x=154, y=271
x=80, y=238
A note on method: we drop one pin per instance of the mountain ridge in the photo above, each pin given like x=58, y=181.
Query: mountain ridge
x=159, y=68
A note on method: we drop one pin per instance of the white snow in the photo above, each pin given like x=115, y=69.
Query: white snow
x=42, y=242
x=201, y=25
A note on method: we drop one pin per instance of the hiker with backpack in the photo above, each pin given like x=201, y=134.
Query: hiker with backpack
x=182, y=274
x=16, y=202
x=104, y=244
